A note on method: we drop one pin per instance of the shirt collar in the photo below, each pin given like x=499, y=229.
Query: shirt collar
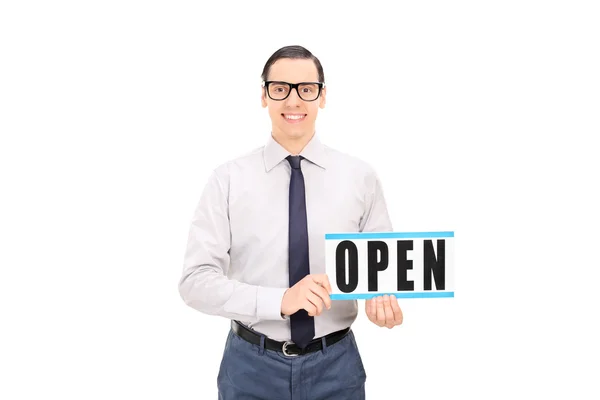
x=314, y=151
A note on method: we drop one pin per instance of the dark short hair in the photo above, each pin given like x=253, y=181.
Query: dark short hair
x=294, y=52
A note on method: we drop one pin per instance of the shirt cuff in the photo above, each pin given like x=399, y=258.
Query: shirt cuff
x=268, y=303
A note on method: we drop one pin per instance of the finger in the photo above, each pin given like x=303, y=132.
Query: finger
x=322, y=293
x=368, y=308
x=327, y=284
x=310, y=308
x=323, y=280
x=316, y=301
x=389, y=313
x=398, y=316
x=380, y=312
x=374, y=307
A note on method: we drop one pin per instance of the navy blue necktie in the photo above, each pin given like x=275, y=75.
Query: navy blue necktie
x=303, y=326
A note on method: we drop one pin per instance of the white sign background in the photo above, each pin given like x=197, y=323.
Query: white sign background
x=387, y=279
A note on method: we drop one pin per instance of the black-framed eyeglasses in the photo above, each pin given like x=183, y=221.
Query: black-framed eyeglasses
x=307, y=91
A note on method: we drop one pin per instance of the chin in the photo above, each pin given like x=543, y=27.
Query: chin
x=296, y=132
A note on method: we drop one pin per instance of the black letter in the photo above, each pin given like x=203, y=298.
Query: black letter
x=340, y=266
x=430, y=264
x=404, y=264
x=374, y=265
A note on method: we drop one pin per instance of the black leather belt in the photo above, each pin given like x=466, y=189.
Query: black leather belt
x=287, y=348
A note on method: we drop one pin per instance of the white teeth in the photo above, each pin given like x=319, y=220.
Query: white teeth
x=294, y=116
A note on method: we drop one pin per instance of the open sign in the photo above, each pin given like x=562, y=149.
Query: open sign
x=405, y=264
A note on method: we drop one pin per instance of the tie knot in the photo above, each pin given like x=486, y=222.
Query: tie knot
x=295, y=161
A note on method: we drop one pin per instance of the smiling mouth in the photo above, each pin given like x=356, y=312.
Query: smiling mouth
x=294, y=118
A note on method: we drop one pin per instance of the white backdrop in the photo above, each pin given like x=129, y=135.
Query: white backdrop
x=480, y=117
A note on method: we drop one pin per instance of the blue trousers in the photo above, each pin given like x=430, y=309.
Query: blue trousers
x=249, y=372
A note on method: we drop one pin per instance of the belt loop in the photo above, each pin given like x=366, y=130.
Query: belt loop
x=261, y=350
x=324, y=343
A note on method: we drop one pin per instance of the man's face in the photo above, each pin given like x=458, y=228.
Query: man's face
x=293, y=118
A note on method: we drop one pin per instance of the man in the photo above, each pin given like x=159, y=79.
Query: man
x=256, y=250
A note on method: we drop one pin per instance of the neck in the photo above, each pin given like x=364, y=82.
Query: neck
x=293, y=145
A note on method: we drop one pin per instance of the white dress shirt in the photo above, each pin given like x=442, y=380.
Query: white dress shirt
x=236, y=262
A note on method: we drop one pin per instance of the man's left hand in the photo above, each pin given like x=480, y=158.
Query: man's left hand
x=384, y=311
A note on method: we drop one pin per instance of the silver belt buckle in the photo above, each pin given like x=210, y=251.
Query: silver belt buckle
x=285, y=345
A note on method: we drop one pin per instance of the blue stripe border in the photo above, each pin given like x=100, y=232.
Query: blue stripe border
x=388, y=235
x=401, y=295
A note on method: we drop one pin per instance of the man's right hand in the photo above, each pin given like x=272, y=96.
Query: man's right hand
x=310, y=294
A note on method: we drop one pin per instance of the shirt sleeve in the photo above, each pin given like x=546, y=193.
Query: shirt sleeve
x=376, y=216
x=204, y=284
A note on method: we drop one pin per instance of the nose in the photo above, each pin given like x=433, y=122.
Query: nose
x=293, y=100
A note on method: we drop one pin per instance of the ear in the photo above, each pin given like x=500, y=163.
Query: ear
x=322, y=99
x=263, y=97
